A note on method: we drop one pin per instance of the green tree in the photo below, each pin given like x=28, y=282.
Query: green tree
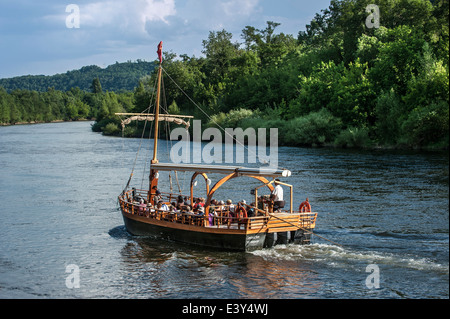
x=398, y=58
x=220, y=51
x=96, y=86
x=5, y=106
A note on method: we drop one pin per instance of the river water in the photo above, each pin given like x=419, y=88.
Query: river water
x=62, y=235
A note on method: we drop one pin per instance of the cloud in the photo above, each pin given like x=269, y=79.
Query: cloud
x=239, y=7
x=126, y=16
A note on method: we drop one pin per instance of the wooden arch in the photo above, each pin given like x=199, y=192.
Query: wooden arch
x=192, y=184
x=227, y=178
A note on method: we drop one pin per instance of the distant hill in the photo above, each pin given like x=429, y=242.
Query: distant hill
x=116, y=77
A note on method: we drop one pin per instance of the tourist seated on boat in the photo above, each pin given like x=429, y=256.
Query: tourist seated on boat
x=213, y=212
x=142, y=207
x=251, y=211
x=157, y=198
x=173, y=207
x=148, y=209
x=188, y=210
x=162, y=206
x=201, y=211
x=230, y=206
x=195, y=202
x=180, y=201
x=199, y=202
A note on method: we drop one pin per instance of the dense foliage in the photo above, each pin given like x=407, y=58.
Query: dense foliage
x=24, y=106
x=339, y=82
x=116, y=77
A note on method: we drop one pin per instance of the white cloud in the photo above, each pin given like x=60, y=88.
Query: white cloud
x=127, y=16
x=239, y=7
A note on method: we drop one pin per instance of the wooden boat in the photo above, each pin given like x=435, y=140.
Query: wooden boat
x=153, y=213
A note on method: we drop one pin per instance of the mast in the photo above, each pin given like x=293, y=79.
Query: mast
x=154, y=173
x=158, y=94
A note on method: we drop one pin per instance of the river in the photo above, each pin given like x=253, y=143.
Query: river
x=62, y=235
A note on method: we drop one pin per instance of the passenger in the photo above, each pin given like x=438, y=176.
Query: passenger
x=201, y=211
x=172, y=209
x=230, y=206
x=277, y=195
x=213, y=212
x=142, y=207
x=251, y=211
x=196, y=203
x=180, y=201
x=148, y=209
x=162, y=206
x=261, y=202
x=188, y=209
x=157, y=198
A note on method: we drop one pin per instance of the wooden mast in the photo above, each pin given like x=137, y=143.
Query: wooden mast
x=154, y=173
x=158, y=93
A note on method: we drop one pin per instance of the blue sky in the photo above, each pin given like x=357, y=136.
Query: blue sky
x=34, y=38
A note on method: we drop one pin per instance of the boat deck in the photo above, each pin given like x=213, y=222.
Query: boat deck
x=223, y=220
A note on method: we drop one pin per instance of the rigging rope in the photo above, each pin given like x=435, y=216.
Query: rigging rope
x=209, y=117
x=140, y=144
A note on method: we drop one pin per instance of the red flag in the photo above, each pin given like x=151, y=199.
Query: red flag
x=160, y=52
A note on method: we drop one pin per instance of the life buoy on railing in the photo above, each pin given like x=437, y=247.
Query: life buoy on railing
x=241, y=213
x=305, y=207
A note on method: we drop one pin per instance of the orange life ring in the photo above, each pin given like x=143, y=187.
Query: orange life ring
x=305, y=207
x=241, y=212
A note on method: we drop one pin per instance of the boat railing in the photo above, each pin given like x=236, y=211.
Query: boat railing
x=141, y=193
x=307, y=220
x=224, y=216
x=220, y=216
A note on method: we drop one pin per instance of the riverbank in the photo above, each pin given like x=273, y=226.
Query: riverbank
x=43, y=122
x=309, y=135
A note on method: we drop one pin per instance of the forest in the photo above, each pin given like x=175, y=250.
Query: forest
x=116, y=77
x=341, y=82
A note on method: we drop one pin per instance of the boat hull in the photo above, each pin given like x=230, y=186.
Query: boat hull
x=211, y=238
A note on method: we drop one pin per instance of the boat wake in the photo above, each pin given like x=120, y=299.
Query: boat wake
x=335, y=256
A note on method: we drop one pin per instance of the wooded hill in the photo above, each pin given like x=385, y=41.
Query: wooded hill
x=116, y=77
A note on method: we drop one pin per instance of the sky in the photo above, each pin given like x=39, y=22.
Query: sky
x=53, y=36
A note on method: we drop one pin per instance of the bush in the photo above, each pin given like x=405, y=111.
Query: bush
x=353, y=137
x=314, y=129
x=428, y=125
x=111, y=129
x=232, y=119
x=389, y=112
